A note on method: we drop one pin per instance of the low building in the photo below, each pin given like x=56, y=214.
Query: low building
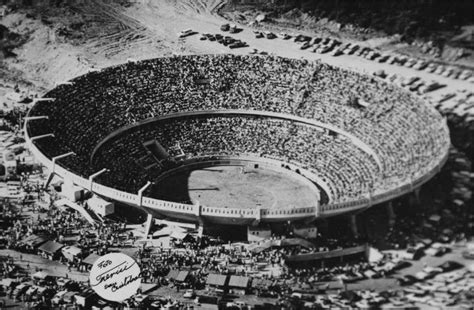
x=239, y=285
x=41, y=276
x=71, y=191
x=90, y=260
x=305, y=231
x=50, y=250
x=10, y=163
x=217, y=282
x=85, y=298
x=172, y=275
x=72, y=253
x=33, y=242
x=182, y=276
x=100, y=206
x=258, y=233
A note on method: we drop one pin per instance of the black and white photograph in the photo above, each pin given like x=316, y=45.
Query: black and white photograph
x=236, y=154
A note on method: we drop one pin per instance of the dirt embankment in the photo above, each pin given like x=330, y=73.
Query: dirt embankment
x=430, y=29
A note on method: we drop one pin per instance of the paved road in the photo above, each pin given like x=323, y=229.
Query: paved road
x=32, y=262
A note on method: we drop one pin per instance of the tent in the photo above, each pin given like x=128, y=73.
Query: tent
x=216, y=279
x=148, y=287
x=373, y=255
x=178, y=235
x=7, y=282
x=239, y=282
x=173, y=274
x=362, y=103
x=261, y=18
x=50, y=249
x=40, y=275
x=262, y=283
x=182, y=275
x=350, y=296
x=33, y=241
x=70, y=252
x=435, y=218
x=90, y=260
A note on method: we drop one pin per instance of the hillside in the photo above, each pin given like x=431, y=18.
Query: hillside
x=435, y=28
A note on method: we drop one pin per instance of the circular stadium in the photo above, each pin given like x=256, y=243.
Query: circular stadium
x=238, y=139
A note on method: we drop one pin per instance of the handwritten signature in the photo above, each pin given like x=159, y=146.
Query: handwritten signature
x=110, y=273
x=128, y=279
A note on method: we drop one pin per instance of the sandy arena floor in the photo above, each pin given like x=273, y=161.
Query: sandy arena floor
x=227, y=186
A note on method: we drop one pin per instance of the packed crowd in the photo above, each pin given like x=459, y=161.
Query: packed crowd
x=407, y=136
x=339, y=162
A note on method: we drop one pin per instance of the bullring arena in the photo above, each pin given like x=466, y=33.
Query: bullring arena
x=348, y=141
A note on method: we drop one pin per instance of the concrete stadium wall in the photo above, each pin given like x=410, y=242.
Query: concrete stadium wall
x=232, y=215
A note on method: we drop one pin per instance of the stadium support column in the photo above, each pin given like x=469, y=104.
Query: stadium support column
x=149, y=218
x=92, y=177
x=353, y=223
x=33, y=118
x=323, y=227
x=416, y=191
x=258, y=216
x=41, y=137
x=148, y=224
x=53, y=167
x=140, y=193
x=391, y=214
x=197, y=210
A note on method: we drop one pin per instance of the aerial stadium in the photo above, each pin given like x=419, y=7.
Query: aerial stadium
x=240, y=140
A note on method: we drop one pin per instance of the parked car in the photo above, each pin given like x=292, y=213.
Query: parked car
x=225, y=27
x=450, y=266
x=410, y=80
x=185, y=33
x=233, y=29
x=420, y=65
x=406, y=280
x=336, y=52
x=447, y=72
x=468, y=254
x=437, y=249
x=410, y=63
x=415, y=86
x=430, y=87
x=392, y=59
x=189, y=294
x=258, y=34
x=413, y=253
x=238, y=44
x=439, y=70
x=20, y=290
x=465, y=74
x=383, y=58
x=270, y=35
x=431, y=68
x=305, y=45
